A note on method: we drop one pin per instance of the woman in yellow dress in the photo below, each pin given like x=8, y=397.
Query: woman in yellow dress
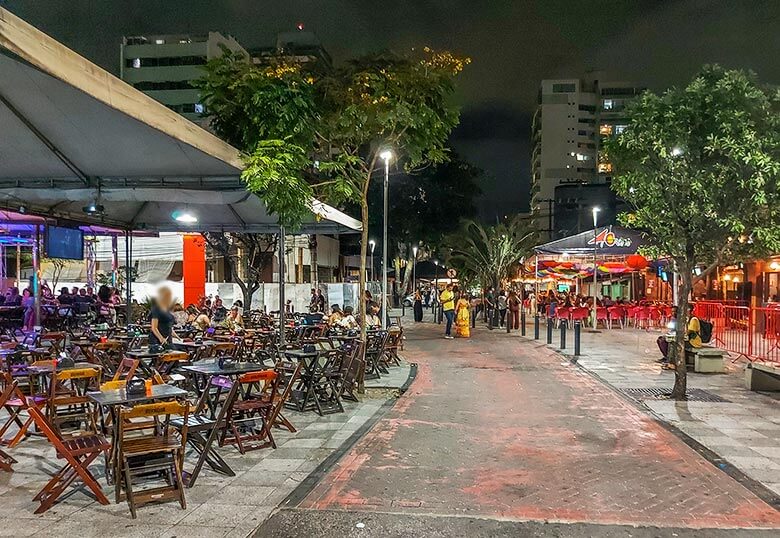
x=463, y=317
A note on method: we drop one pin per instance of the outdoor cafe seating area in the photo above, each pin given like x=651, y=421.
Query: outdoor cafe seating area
x=148, y=421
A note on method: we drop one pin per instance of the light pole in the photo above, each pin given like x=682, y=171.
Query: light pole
x=372, y=244
x=595, y=267
x=414, y=269
x=386, y=155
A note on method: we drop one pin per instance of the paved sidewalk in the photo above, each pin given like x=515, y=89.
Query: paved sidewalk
x=498, y=427
x=217, y=505
x=744, y=431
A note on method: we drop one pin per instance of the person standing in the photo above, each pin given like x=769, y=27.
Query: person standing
x=490, y=305
x=501, y=304
x=161, y=332
x=448, y=307
x=418, y=307
x=514, y=304
x=463, y=316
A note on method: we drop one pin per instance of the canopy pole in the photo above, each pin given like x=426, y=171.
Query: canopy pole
x=281, y=287
x=114, y=261
x=128, y=275
x=36, y=259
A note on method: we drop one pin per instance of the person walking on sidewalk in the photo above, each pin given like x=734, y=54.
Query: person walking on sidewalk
x=514, y=305
x=463, y=316
x=418, y=307
x=448, y=307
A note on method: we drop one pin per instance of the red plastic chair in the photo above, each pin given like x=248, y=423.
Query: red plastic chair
x=562, y=313
x=616, y=313
x=642, y=318
x=602, y=315
x=580, y=313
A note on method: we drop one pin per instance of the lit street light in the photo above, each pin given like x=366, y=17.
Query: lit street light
x=595, y=267
x=386, y=155
x=372, y=244
x=414, y=269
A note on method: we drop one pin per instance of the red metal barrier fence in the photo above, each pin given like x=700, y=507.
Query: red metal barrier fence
x=751, y=332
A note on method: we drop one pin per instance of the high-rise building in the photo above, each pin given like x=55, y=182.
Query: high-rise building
x=573, y=118
x=299, y=46
x=164, y=67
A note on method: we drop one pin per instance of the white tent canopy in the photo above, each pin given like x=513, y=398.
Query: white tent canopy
x=72, y=134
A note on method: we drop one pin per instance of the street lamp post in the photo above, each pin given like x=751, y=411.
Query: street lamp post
x=414, y=269
x=372, y=244
x=386, y=155
x=595, y=267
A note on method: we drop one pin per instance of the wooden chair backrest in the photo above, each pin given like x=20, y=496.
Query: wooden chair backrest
x=256, y=377
x=108, y=345
x=155, y=409
x=126, y=369
x=77, y=373
x=114, y=384
x=174, y=356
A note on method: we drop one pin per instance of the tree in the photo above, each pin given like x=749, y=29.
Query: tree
x=251, y=252
x=489, y=254
x=424, y=207
x=699, y=166
x=309, y=134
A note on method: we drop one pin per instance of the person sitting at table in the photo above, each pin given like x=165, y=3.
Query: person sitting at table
x=372, y=318
x=83, y=297
x=198, y=319
x=65, y=297
x=234, y=322
x=347, y=320
x=335, y=315
x=179, y=314
x=161, y=332
x=218, y=311
x=28, y=302
x=12, y=297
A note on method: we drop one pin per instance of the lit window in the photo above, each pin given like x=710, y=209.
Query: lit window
x=605, y=168
x=608, y=104
x=581, y=157
x=605, y=129
x=198, y=108
x=136, y=63
x=159, y=42
x=620, y=128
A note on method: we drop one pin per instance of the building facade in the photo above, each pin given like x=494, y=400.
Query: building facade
x=165, y=66
x=300, y=47
x=572, y=120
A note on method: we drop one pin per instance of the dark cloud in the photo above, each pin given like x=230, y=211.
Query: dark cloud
x=514, y=44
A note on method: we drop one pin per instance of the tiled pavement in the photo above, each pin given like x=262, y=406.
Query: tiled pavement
x=745, y=432
x=216, y=506
x=495, y=427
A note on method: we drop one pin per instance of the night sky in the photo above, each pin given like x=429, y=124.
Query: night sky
x=513, y=45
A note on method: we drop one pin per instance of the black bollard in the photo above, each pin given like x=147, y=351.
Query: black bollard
x=473, y=318
x=577, y=331
x=563, y=334
x=403, y=309
x=522, y=322
x=536, y=327
x=508, y=321
x=549, y=331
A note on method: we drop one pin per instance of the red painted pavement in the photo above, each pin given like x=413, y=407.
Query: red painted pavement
x=500, y=427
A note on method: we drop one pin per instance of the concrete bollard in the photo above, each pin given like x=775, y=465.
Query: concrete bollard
x=563, y=334
x=536, y=327
x=577, y=332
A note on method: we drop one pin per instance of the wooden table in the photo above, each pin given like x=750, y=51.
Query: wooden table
x=112, y=400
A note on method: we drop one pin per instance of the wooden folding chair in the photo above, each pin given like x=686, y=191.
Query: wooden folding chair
x=68, y=400
x=203, y=427
x=161, y=451
x=254, y=402
x=15, y=404
x=9, y=390
x=350, y=373
x=287, y=373
x=106, y=354
x=55, y=341
x=78, y=452
x=167, y=364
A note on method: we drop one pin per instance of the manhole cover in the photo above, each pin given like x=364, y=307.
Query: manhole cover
x=661, y=393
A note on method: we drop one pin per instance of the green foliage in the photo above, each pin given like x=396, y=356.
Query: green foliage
x=425, y=206
x=490, y=254
x=309, y=134
x=699, y=165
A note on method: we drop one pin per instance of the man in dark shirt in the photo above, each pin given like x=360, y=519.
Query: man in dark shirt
x=65, y=296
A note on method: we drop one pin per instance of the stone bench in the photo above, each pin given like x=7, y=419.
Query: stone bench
x=708, y=359
x=762, y=376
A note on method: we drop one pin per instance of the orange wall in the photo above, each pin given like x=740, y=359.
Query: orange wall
x=194, y=268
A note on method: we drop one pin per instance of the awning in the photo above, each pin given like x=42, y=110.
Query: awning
x=608, y=241
x=73, y=134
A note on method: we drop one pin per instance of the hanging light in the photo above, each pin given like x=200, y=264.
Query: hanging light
x=185, y=217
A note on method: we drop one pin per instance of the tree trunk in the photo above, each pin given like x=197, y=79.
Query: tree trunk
x=681, y=372
x=313, y=258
